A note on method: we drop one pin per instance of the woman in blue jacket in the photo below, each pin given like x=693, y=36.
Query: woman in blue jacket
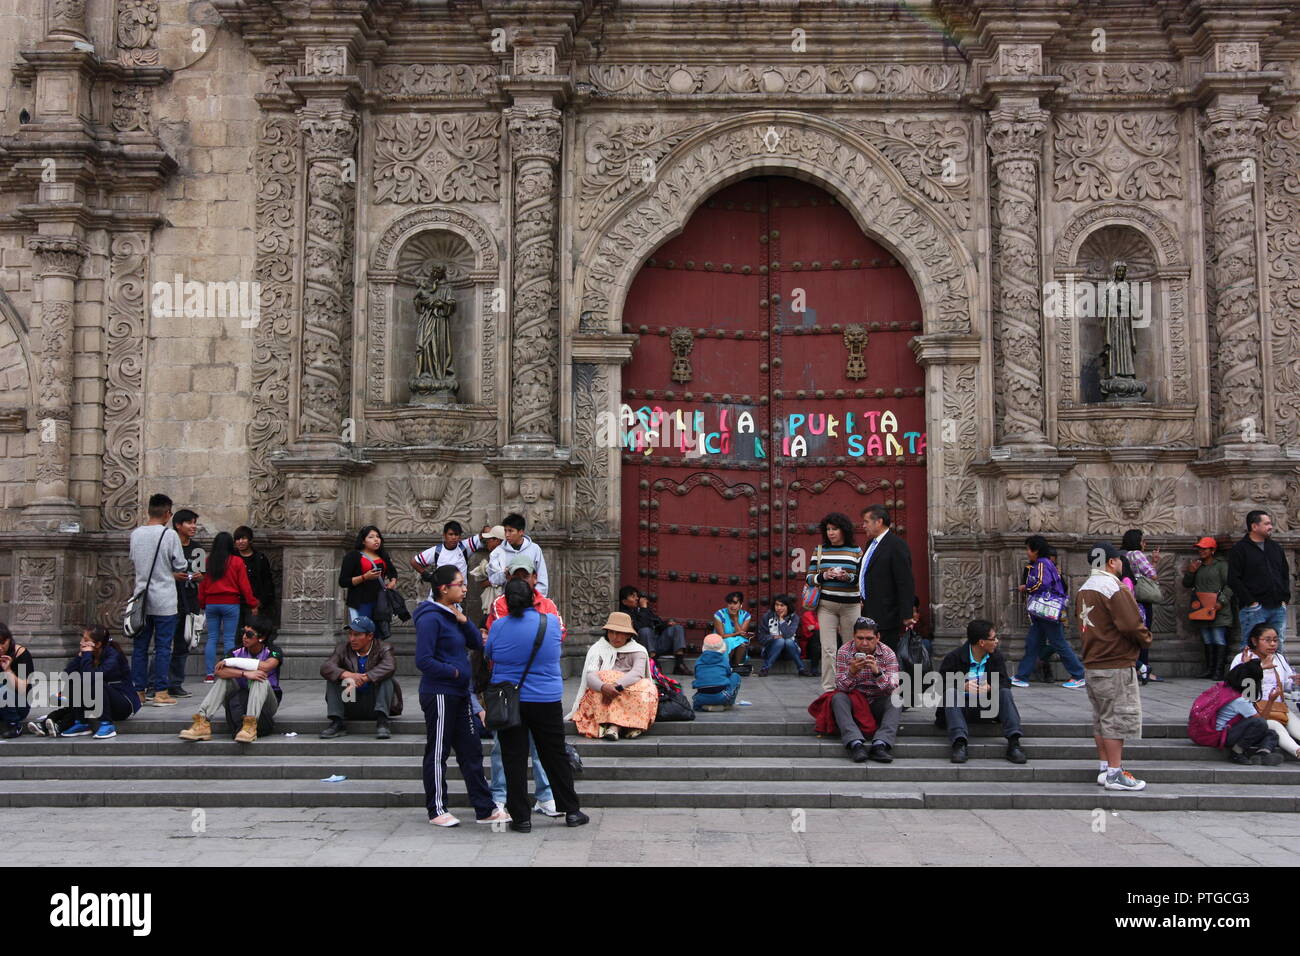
x=97, y=654
x=509, y=646
x=443, y=638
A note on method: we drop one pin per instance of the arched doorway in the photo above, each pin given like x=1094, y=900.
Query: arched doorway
x=770, y=306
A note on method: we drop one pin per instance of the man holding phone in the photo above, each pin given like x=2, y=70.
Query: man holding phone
x=867, y=666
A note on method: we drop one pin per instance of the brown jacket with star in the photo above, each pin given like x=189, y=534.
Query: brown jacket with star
x=1110, y=622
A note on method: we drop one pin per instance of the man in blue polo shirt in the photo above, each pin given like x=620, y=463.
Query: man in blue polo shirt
x=976, y=686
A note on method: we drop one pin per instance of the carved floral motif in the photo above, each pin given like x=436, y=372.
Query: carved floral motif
x=592, y=595
x=959, y=437
x=684, y=80
x=1132, y=497
x=933, y=156
x=1281, y=160
x=618, y=157
x=426, y=498
x=1117, y=77
x=422, y=159
x=440, y=431
x=34, y=591
x=959, y=586
x=137, y=20
x=434, y=79
x=1117, y=156
x=131, y=109
x=124, y=395
x=591, y=486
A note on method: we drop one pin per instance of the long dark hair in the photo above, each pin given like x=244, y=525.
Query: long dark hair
x=100, y=636
x=440, y=578
x=360, y=545
x=519, y=597
x=841, y=521
x=1132, y=540
x=7, y=639
x=223, y=546
x=788, y=601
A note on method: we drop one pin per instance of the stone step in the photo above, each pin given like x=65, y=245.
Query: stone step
x=986, y=765
x=796, y=794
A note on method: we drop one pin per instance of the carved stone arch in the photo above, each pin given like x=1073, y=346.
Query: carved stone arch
x=385, y=277
x=784, y=143
x=1154, y=227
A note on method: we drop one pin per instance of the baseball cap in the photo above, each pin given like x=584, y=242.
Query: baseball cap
x=1207, y=542
x=521, y=561
x=1108, y=549
x=361, y=624
x=497, y=531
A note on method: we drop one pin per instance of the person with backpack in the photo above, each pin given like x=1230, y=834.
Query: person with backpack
x=1046, y=602
x=453, y=550
x=189, y=615
x=1223, y=717
x=1207, y=576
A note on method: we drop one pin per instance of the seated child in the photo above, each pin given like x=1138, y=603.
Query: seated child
x=716, y=684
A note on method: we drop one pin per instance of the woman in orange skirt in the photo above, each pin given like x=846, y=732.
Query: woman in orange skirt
x=616, y=695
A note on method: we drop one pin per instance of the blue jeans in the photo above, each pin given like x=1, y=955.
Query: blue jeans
x=1275, y=617
x=782, y=645
x=1214, y=635
x=725, y=697
x=223, y=622
x=364, y=610
x=541, y=782
x=161, y=629
x=1054, y=633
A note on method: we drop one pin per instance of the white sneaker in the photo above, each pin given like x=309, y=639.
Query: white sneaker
x=499, y=815
x=446, y=820
x=1123, y=781
x=547, y=808
x=1101, y=779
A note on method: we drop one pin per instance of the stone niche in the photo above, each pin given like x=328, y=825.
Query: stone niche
x=453, y=253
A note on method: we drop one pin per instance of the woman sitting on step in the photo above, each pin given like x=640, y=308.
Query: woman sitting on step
x=97, y=654
x=735, y=626
x=615, y=695
x=1262, y=644
x=776, y=636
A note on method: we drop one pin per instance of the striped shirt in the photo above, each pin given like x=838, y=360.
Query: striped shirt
x=844, y=591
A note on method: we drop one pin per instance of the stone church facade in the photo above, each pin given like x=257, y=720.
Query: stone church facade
x=331, y=151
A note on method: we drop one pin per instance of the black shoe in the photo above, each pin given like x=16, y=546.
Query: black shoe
x=335, y=729
x=12, y=731
x=180, y=692
x=1207, y=659
x=382, y=730
x=576, y=819
x=680, y=669
x=959, y=754
x=1270, y=759
x=880, y=754
x=1015, y=753
x=522, y=826
x=859, y=752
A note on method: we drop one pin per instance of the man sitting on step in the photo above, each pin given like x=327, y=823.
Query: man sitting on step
x=247, y=684
x=976, y=686
x=359, y=681
x=867, y=665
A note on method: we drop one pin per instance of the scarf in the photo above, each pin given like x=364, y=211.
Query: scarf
x=601, y=656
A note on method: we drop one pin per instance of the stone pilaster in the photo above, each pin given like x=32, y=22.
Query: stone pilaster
x=67, y=20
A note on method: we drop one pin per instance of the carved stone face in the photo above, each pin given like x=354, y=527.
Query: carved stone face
x=1031, y=491
x=530, y=490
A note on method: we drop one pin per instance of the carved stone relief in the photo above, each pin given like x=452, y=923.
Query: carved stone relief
x=1020, y=59
x=1132, y=497
x=591, y=595
x=310, y=583
x=1032, y=504
x=1236, y=57
x=1117, y=77
x=426, y=498
x=959, y=588
x=534, y=498
x=416, y=80
x=620, y=156
x=443, y=431
x=1281, y=159
x=124, y=396
x=131, y=109
x=114, y=580
x=1264, y=492
x=313, y=502
x=686, y=80
x=1117, y=156
x=933, y=156
x=1112, y=432
x=959, y=440
x=591, y=486
x=34, y=590
x=137, y=21
x=422, y=158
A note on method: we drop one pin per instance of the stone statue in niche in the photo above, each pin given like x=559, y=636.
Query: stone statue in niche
x=1120, y=382
x=434, y=379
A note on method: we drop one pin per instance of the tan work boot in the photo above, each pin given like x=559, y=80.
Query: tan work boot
x=163, y=699
x=247, y=733
x=201, y=729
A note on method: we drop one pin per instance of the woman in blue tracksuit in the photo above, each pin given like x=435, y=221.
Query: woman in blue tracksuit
x=97, y=654
x=443, y=638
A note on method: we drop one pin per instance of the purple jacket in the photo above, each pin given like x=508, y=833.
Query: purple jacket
x=1043, y=578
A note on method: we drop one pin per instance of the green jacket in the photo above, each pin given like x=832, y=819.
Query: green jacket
x=1213, y=577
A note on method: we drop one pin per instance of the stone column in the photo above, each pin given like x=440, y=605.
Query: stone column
x=57, y=263
x=67, y=20
x=1015, y=138
x=1230, y=142
x=535, y=135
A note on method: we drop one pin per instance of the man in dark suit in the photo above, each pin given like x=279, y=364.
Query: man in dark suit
x=886, y=583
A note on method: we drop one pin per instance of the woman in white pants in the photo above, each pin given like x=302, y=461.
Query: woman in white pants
x=1262, y=642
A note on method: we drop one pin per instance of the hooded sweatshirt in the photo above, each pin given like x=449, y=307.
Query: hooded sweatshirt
x=500, y=559
x=441, y=650
x=712, y=669
x=1110, y=622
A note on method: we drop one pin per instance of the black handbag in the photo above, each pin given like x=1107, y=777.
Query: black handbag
x=501, y=699
x=674, y=706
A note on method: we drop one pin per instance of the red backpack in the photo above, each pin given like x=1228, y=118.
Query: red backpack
x=1206, y=707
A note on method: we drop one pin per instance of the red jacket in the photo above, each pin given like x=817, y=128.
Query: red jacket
x=824, y=719
x=233, y=588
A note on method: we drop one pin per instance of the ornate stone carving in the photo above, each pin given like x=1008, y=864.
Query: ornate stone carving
x=1281, y=159
x=450, y=158
x=1265, y=492
x=114, y=579
x=622, y=156
x=682, y=340
x=131, y=109
x=959, y=436
x=621, y=240
x=591, y=486
x=1153, y=226
x=892, y=79
x=1116, y=77
x=534, y=498
x=435, y=431
x=960, y=586
x=308, y=578
x=1236, y=57
x=124, y=395
x=54, y=368
x=313, y=502
x=416, y=80
x=1032, y=504
x=1111, y=244
x=1020, y=59
x=136, y=22
x=535, y=60
x=1230, y=139
x=1132, y=497
x=589, y=601
x=427, y=498
x=535, y=147
x=327, y=60
x=855, y=340
x=1125, y=433
x=1014, y=138
x=933, y=156
x=56, y=256
x=326, y=313
x=1117, y=156
x=274, y=79
x=276, y=165
x=34, y=591
x=68, y=18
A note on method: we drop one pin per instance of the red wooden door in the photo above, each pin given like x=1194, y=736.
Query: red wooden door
x=768, y=277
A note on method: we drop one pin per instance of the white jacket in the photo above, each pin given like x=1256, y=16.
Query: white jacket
x=503, y=555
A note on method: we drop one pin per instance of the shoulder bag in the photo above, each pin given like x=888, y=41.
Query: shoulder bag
x=1205, y=606
x=1147, y=591
x=1050, y=607
x=1270, y=709
x=135, y=615
x=812, y=593
x=501, y=699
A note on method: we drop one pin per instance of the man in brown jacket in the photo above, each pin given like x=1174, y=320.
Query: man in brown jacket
x=1113, y=634
x=360, y=682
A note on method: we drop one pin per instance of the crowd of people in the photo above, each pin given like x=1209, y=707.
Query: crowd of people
x=858, y=617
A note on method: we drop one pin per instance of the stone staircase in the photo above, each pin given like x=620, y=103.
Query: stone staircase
x=759, y=756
